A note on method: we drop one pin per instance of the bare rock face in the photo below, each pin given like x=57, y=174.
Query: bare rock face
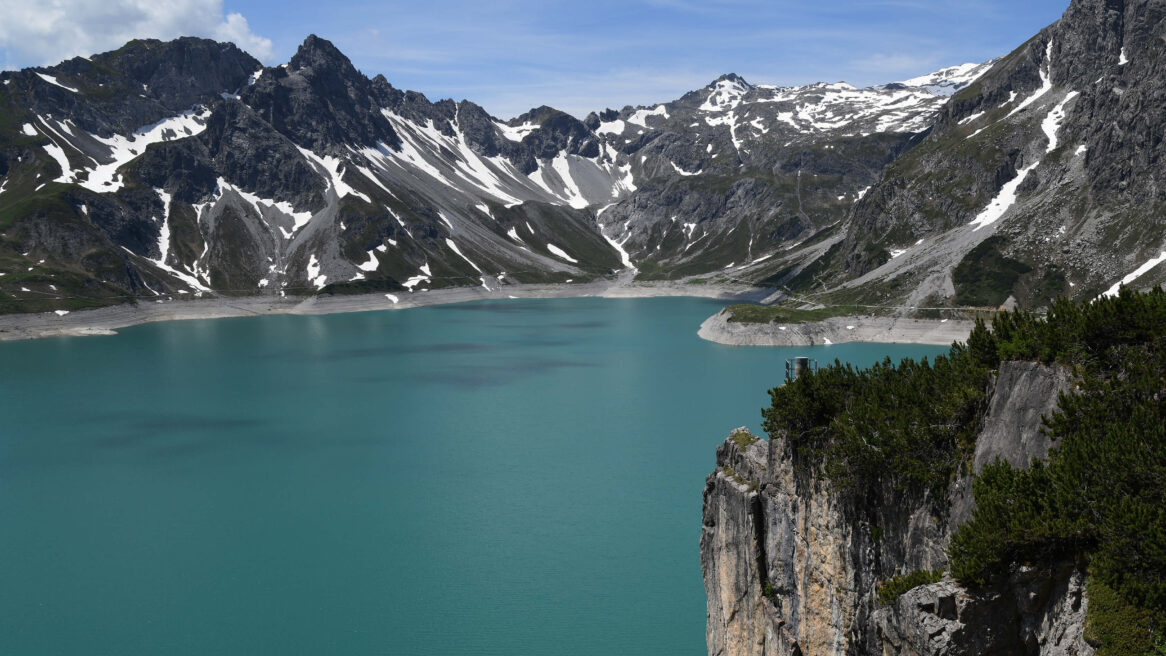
x=791, y=564
x=1033, y=124
x=1011, y=429
x=1038, y=612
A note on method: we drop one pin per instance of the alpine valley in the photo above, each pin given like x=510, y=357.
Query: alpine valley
x=186, y=168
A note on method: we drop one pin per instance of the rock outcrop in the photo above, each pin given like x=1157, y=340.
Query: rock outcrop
x=835, y=330
x=791, y=563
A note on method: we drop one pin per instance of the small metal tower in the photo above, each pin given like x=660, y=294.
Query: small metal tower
x=795, y=367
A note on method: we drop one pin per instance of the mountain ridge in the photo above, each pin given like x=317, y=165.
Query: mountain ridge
x=292, y=178
x=312, y=177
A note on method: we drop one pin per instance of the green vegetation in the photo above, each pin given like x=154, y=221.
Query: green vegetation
x=651, y=270
x=747, y=313
x=908, y=426
x=1098, y=499
x=831, y=262
x=741, y=480
x=1116, y=627
x=985, y=277
x=892, y=588
x=374, y=286
x=743, y=439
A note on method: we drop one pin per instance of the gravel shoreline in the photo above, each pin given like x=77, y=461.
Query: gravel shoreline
x=106, y=321
x=835, y=330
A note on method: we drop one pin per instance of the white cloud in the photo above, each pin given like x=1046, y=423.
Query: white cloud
x=36, y=32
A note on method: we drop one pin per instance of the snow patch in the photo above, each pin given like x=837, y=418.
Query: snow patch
x=573, y=196
x=334, y=169
x=1046, y=82
x=726, y=94
x=1007, y=194
x=424, y=276
x=1052, y=122
x=372, y=263
x=946, y=81
x=314, y=276
x=453, y=247
x=516, y=133
x=624, y=257
x=105, y=178
x=164, y=247
x=971, y=118
x=561, y=253
x=613, y=127
x=58, y=154
x=299, y=219
x=640, y=116
x=53, y=80
x=1004, y=199
x=1137, y=273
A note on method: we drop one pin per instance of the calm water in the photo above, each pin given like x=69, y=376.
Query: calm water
x=503, y=477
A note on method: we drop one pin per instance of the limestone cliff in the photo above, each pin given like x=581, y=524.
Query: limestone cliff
x=791, y=565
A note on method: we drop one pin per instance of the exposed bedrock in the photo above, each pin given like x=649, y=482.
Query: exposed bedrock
x=791, y=563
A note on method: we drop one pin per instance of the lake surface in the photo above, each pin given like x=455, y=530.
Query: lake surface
x=502, y=477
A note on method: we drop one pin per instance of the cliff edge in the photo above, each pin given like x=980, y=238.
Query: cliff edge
x=793, y=563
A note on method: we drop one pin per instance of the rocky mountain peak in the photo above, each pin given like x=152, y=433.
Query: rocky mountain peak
x=320, y=56
x=536, y=115
x=730, y=78
x=321, y=101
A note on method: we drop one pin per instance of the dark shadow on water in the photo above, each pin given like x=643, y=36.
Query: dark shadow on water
x=531, y=340
x=581, y=325
x=136, y=429
x=387, y=350
x=402, y=349
x=479, y=376
x=509, y=306
x=179, y=437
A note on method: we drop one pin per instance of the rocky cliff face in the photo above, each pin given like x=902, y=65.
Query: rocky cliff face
x=1036, y=181
x=791, y=564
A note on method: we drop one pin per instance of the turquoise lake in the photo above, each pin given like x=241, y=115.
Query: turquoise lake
x=517, y=477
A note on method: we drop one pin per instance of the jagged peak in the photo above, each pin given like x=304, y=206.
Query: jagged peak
x=319, y=53
x=730, y=78
x=537, y=115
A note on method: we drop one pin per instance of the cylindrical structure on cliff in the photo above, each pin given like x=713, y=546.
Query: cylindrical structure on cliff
x=795, y=367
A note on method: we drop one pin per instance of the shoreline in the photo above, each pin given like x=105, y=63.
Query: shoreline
x=107, y=320
x=835, y=330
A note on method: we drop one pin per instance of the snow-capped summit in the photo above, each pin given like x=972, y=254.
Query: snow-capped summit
x=726, y=92
x=947, y=81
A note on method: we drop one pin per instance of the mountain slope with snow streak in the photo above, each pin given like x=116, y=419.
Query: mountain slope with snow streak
x=1035, y=181
x=138, y=173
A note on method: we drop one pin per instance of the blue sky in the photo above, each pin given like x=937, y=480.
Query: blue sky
x=511, y=55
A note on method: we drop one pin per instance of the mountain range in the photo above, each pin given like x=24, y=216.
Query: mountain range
x=187, y=168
